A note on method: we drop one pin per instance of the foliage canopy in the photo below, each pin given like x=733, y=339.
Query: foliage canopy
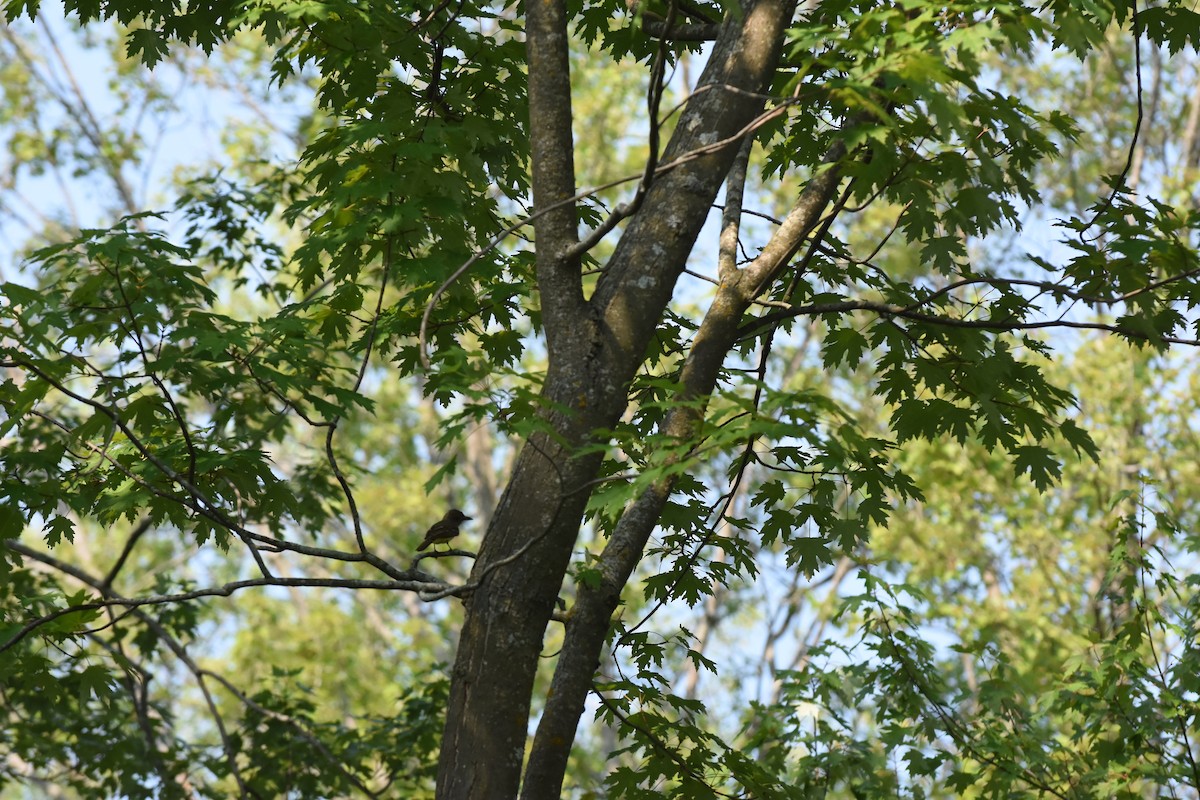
x=400, y=299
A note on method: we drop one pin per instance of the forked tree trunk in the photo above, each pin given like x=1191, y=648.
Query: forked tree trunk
x=595, y=346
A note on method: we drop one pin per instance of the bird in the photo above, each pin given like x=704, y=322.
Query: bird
x=444, y=529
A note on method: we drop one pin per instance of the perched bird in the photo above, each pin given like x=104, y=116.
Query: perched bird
x=444, y=529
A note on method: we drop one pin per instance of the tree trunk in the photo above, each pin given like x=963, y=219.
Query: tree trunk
x=595, y=347
x=587, y=627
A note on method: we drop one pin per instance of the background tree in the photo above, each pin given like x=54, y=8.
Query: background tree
x=249, y=372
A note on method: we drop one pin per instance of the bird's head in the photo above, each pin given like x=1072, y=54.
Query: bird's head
x=455, y=516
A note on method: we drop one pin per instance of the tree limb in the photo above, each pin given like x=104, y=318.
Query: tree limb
x=587, y=627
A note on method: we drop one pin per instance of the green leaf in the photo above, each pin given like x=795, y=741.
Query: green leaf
x=58, y=528
x=1039, y=463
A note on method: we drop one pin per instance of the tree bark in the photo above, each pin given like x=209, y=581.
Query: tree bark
x=587, y=627
x=595, y=347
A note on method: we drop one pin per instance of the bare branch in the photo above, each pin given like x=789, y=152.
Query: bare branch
x=1119, y=183
x=731, y=214
x=417, y=582
x=906, y=312
x=682, y=31
x=136, y=534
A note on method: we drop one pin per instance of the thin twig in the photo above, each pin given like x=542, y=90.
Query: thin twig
x=300, y=728
x=416, y=584
x=654, y=95
x=1119, y=184
x=372, y=329
x=195, y=500
x=889, y=310
x=136, y=534
x=174, y=645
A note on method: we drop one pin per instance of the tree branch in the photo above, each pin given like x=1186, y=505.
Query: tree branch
x=195, y=500
x=418, y=582
x=682, y=31
x=137, y=533
x=175, y=646
x=731, y=214
x=588, y=624
x=906, y=312
x=553, y=166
